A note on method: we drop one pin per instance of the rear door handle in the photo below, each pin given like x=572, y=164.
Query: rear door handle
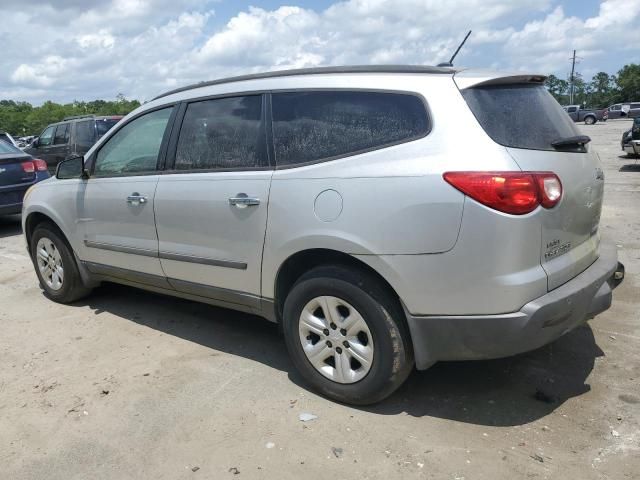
x=135, y=198
x=242, y=200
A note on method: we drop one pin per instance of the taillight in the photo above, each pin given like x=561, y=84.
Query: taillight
x=40, y=165
x=28, y=167
x=549, y=187
x=516, y=193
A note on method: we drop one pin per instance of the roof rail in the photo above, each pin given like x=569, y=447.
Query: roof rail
x=317, y=71
x=75, y=117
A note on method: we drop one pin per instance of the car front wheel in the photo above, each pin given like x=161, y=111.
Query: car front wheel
x=55, y=265
x=347, y=335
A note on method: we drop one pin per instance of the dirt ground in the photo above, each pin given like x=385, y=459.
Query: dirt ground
x=128, y=384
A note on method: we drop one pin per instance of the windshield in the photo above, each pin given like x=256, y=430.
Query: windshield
x=7, y=147
x=520, y=116
x=105, y=124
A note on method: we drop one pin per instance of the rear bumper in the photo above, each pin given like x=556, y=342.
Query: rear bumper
x=538, y=323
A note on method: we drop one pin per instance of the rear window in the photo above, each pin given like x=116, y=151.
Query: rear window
x=6, y=146
x=520, y=116
x=321, y=125
x=104, y=125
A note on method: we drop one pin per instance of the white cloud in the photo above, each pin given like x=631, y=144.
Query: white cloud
x=141, y=47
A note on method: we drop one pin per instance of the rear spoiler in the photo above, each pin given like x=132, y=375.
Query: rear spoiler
x=479, y=78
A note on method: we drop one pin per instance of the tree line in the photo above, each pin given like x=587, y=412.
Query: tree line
x=603, y=89
x=22, y=118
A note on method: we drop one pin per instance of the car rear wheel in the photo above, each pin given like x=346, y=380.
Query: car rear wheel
x=589, y=120
x=56, y=266
x=347, y=335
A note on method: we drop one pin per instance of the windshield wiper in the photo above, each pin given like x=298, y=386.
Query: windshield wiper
x=568, y=142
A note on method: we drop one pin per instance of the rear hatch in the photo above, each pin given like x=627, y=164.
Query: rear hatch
x=519, y=113
x=11, y=169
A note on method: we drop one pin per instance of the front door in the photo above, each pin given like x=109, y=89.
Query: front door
x=117, y=201
x=59, y=150
x=211, y=209
x=44, y=146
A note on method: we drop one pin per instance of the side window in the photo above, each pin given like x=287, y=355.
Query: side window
x=85, y=134
x=62, y=134
x=135, y=147
x=311, y=126
x=222, y=133
x=615, y=107
x=573, y=109
x=46, y=137
x=635, y=106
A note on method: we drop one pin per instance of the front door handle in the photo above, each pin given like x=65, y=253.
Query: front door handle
x=136, y=199
x=242, y=200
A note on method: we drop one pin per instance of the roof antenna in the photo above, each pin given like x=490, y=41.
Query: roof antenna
x=450, y=62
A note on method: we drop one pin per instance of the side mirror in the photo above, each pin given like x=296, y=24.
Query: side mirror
x=72, y=167
x=36, y=142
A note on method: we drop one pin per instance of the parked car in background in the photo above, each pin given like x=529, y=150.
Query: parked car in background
x=72, y=136
x=623, y=110
x=4, y=136
x=24, y=142
x=587, y=115
x=18, y=172
x=630, y=142
x=365, y=257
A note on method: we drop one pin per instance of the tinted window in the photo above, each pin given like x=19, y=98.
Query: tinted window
x=62, y=134
x=521, y=116
x=635, y=105
x=5, y=138
x=85, y=134
x=615, y=107
x=6, y=146
x=135, y=147
x=222, y=133
x=573, y=109
x=103, y=125
x=309, y=126
x=46, y=137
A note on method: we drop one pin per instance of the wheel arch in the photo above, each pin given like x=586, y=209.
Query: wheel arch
x=297, y=264
x=34, y=219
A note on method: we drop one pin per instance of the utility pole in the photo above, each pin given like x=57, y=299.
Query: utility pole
x=572, y=79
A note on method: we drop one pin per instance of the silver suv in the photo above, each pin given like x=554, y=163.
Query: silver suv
x=385, y=217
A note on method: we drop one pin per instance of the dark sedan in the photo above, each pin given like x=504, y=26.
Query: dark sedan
x=18, y=171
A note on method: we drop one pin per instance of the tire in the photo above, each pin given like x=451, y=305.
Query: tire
x=354, y=297
x=62, y=286
x=589, y=120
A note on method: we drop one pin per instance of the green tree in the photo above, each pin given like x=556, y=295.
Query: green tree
x=21, y=118
x=628, y=82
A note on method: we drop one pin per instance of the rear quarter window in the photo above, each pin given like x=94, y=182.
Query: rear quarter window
x=312, y=126
x=520, y=116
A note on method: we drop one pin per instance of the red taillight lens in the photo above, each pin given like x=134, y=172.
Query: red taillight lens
x=40, y=165
x=516, y=193
x=28, y=167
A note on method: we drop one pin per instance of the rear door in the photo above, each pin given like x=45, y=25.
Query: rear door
x=116, y=203
x=527, y=121
x=211, y=209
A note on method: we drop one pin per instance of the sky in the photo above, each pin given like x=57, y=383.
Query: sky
x=66, y=50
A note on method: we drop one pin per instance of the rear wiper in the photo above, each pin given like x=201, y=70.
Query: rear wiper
x=575, y=141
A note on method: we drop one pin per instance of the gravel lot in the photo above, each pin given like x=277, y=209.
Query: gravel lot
x=128, y=384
